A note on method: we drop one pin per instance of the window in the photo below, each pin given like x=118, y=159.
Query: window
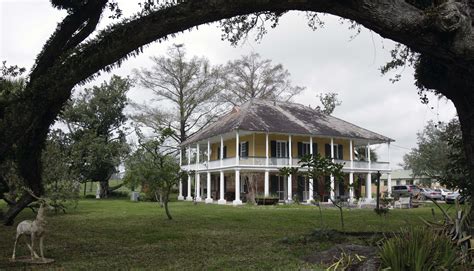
x=338, y=151
x=305, y=150
x=281, y=149
x=244, y=149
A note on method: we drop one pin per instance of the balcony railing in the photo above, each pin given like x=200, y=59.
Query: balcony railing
x=279, y=162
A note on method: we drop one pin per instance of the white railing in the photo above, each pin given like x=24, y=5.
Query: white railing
x=252, y=161
x=280, y=162
x=365, y=165
x=273, y=161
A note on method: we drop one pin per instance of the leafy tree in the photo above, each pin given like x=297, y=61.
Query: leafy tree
x=436, y=37
x=95, y=121
x=190, y=86
x=319, y=168
x=250, y=77
x=456, y=173
x=430, y=157
x=155, y=168
x=61, y=182
x=329, y=102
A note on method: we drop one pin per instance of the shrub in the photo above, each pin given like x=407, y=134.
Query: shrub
x=418, y=248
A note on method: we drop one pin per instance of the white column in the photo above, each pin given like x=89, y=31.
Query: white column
x=351, y=188
x=237, y=154
x=197, y=182
x=208, y=186
x=368, y=186
x=208, y=153
x=180, y=157
x=389, y=175
x=197, y=185
x=237, y=200
x=189, y=197
x=389, y=184
x=266, y=149
x=221, y=189
x=267, y=182
x=368, y=182
x=180, y=196
x=351, y=153
x=290, y=160
x=221, y=155
x=290, y=190
x=290, y=177
x=332, y=194
x=310, y=183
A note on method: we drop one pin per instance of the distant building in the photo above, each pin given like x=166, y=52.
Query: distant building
x=262, y=136
x=405, y=176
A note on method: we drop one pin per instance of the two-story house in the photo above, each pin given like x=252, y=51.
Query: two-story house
x=262, y=136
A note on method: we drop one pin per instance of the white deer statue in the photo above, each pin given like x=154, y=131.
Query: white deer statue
x=35, y=229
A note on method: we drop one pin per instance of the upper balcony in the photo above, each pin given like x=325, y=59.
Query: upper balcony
x=276, y=163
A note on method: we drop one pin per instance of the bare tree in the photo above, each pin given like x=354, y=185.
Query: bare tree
x=190, y=85
x=252, y=77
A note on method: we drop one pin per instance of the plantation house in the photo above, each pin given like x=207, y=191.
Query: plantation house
x=260, y=137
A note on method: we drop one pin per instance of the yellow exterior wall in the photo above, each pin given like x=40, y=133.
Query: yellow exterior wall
x=257, y=145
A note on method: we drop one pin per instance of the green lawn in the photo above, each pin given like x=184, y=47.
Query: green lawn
x=119, y=234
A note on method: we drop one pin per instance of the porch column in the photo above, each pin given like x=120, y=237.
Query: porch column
x=208, y=186
x=198, y=175
x=368, y=186
x=237, y=200
x=189, y=197
x=332, y=194
x=221, y=155
x=351, y=154
x=310, y=184
x=290, y=177
x=266, y=185
x=290, y=159
x=180, y=157
x=221, y=189
x=197, y=186
x=180, y=196
x=389, y=173
x=237, y=153
x=368, y=181
x=351, y=187
x=290, y=189
x=266, y=149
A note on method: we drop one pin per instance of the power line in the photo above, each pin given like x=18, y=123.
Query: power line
x=401, y=147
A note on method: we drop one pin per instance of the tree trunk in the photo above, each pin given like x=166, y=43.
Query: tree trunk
x=14, y=210
x=168, y=214
x=104, y=189
x=457, y=84
x=251, y=189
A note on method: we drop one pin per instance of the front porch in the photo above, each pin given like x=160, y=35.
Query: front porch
x=232, y=186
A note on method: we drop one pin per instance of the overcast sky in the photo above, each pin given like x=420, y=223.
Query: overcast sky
x=322, y=61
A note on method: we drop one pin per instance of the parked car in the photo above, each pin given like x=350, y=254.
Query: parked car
x=428, y=193
x=444, y=192
x=409, y=189
x=451, y=198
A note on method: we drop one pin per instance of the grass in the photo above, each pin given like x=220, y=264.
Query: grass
x=119, y=234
